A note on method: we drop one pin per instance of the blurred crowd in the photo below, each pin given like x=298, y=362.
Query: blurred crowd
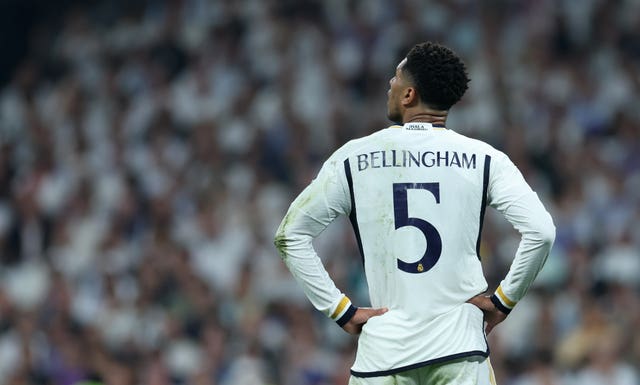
x=149, y=149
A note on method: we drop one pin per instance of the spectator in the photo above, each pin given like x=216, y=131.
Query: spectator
x=147, y=148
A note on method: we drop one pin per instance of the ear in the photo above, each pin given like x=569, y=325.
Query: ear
x=410, y=97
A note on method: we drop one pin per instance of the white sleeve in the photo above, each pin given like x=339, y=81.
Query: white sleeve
x=310, y=213
x=510, y=194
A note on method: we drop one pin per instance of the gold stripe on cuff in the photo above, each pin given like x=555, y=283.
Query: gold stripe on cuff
x=504, y=298
x=343, y=303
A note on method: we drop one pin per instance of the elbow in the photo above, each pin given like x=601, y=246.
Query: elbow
x=549, y=236
x=286, y=244
x=547, y=233
x=280, y=242
x=542, y=233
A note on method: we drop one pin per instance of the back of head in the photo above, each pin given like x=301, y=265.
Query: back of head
x=438, y=74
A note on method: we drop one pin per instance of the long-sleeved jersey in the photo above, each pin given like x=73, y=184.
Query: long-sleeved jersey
x=416, y=196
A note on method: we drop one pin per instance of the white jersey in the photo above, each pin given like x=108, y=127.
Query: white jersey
x=416, y=196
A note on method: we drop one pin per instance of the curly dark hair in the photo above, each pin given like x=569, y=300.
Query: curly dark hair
x=439, y=75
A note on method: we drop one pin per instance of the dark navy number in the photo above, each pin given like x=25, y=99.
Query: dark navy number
x=402, y=219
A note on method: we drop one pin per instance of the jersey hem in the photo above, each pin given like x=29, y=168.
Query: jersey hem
x=421, y=364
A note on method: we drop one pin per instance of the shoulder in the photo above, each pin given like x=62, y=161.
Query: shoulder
x=479, y=146
x=475, y=143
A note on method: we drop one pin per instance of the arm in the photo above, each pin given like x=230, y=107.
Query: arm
x=309, y=214
x=510, y=194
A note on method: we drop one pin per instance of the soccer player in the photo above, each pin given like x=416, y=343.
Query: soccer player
x=416, y=194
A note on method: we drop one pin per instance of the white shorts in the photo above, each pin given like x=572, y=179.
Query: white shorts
x=465, y=371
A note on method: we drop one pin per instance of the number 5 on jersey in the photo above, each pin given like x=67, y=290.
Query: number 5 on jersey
x=402, y=219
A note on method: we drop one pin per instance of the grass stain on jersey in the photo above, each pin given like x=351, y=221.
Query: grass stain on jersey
x=280, y=240
x=280, y=243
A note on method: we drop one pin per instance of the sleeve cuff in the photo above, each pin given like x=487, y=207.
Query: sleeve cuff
x=351, y=311
x=502, y=302
x=344, y=311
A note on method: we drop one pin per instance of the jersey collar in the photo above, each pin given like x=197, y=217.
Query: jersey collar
x=423, y=126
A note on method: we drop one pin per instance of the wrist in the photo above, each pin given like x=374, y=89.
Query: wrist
x=347, y=316
x=499, y=305
x=502, y=301
x=343, y=311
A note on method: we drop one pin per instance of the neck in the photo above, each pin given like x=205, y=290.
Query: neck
x=426, y=115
